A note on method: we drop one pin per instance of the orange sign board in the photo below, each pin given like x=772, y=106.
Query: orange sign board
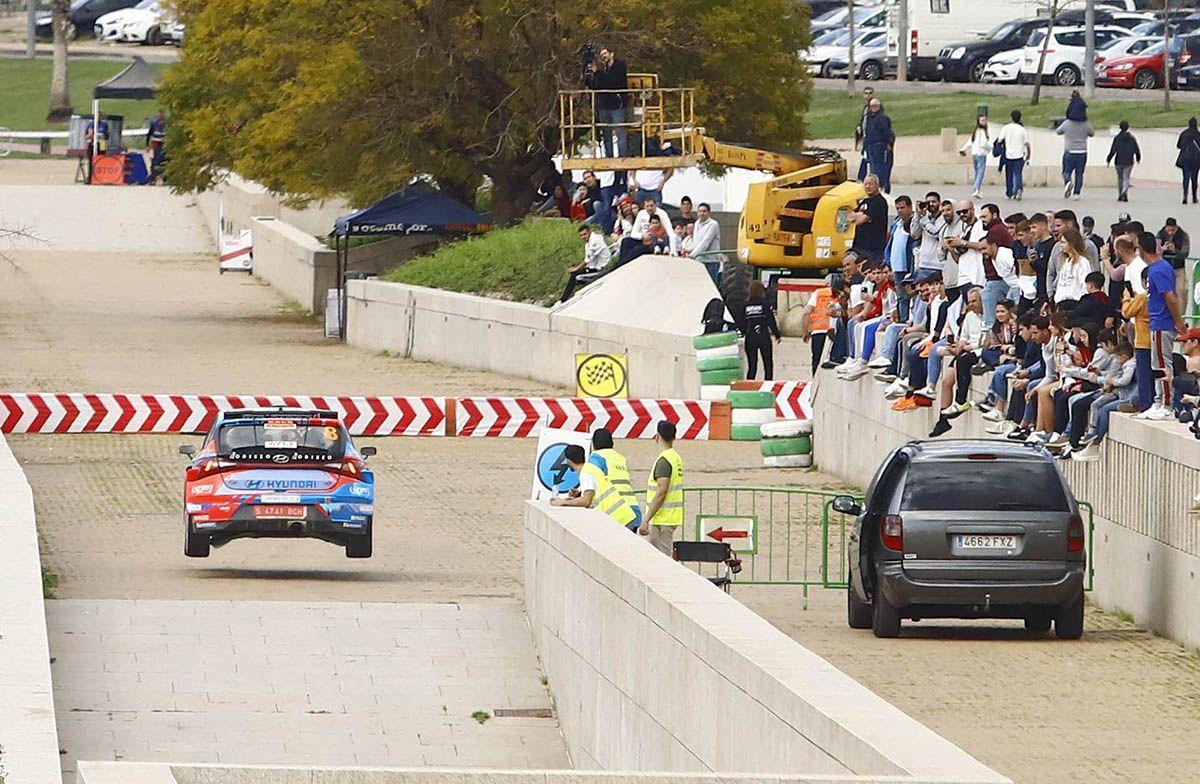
x=108, y=169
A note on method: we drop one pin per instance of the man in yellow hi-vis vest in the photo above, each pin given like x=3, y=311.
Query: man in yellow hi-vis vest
x=616, y=468
x=594, y=489
x=664, y=510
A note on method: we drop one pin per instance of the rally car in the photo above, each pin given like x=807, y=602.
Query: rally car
x=278, y=472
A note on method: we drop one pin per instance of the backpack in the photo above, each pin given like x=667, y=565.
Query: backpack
x=998, y=148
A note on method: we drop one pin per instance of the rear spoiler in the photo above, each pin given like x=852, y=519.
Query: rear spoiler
x=279, y=411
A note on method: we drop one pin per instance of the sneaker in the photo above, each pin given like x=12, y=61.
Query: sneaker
x=1076, y=197
x=1038, y=437
x=941, y=428
x=955, y=410
x=1065, y=452
x=1017, y=434
x=981, y=369
x=1001, y=428
x=995, y=415
x=1159, y=414
x=1067, y=191
x=855, y=373
x=1059, y=443
x=927, y=391
x=1020, y=194
x=897, y=389
x=905, y=404
x=922, y=401
x=885, y=378
x=848, y=366
x=879, y=362
x=1089, y=454
x=1127, y=408
x=829, y=364
x=1085, y=441
x=984, y=404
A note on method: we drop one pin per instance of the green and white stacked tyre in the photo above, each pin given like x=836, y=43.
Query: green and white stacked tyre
x=718, y=358
x=751, y=409
x=787, y=443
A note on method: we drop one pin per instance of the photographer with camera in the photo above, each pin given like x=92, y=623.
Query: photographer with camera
x=608, y=74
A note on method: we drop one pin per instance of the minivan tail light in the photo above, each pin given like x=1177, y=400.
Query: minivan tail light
x=892, y=532
x=1075, y=534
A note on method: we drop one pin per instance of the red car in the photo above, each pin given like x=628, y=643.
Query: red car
x=1142, y=71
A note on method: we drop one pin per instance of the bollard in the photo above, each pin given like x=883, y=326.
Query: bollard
x=44, y=146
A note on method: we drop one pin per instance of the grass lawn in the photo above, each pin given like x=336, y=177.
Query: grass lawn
x=25, y=87
x=832, y=115
x=526, y=263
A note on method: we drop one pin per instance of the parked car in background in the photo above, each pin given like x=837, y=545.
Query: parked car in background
x=1003, y=67
x=965, y=61
x=82, y=17
x=871, y=60
x=831, y=44
x=144, y=26
x=1064, y=54
x=173, y=32
x=1141, y=71
x=968, y=528
x=864, y=16
x=109, y=26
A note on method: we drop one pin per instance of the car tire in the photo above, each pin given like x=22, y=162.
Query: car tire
x=975, y=71
x=1145, y=79
x=359, y=545
x=1068, y=625
x=858, y=615
x=872, y=71
x=1066, y=75
x=1038, y=624
x=885, y=619
x=195, y=545
x=154, y=37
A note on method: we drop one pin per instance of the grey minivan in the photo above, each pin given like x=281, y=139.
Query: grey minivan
x=971, y=528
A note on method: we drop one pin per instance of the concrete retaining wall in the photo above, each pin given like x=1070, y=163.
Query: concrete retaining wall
x=1147, y=545
x=510, y=337
x=28, y=734
x=168, y=773
x=654, y=669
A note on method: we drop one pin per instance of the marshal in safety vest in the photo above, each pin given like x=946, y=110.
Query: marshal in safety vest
x=671, y=511
x=618, y=474
x=608, y=498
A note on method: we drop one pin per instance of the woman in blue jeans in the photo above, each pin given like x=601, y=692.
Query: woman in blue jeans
x=979, y=147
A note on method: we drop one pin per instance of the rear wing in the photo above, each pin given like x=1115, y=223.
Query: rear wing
x=279, y=411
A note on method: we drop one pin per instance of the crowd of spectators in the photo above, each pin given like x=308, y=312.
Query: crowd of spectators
x=1067, y=326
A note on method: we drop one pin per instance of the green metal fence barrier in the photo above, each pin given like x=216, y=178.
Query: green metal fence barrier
x=787, y=535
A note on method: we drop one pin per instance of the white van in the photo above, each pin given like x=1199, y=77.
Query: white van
x=934, y=23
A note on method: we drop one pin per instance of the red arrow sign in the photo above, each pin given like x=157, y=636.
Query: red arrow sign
x=720, y=534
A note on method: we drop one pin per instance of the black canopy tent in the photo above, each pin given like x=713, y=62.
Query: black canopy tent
x=415, y=210
x=136, y=81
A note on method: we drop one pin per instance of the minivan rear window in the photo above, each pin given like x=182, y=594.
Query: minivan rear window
x=983, y=485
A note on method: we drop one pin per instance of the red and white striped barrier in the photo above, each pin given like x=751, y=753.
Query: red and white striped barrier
x=86, y=413
x=793, y=399
x=509, y=417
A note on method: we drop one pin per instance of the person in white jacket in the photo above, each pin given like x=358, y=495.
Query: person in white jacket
x=979, y=147
x=1073, y=268
x=964, y=349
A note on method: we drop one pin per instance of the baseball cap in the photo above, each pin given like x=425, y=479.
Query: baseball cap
x=1189, y=334
x=1171, y=222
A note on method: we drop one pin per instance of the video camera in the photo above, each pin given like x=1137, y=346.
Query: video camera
x=587, y=56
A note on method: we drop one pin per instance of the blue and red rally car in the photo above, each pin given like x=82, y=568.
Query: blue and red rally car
x=278, y=472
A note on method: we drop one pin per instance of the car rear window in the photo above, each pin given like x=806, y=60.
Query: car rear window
x=983, y=485
x=282, y=441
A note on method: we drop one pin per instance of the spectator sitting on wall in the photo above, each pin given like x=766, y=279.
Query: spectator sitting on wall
x=581, y=204
x=558, y=205
x=595, y=258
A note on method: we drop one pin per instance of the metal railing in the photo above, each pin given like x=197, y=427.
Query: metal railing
x=662, y=114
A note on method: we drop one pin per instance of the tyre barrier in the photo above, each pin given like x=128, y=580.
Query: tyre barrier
x=787, y=443
x=719, y=361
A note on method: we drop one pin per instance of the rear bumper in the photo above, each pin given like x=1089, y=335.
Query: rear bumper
x=978, y=598
x=314, y=525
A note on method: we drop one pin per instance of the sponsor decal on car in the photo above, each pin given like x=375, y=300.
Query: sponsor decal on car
x=280, y=484
x=269, y=498
x=202, y=489
x=190, y=508
x=279, y=444
x=360, y=490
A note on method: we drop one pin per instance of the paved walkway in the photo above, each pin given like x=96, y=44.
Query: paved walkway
x=298, y=683
x=1120, y=705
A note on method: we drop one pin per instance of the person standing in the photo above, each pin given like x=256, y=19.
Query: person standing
x=610, y=76
x=664, y=510
x=706, y=241
x=1075, y=135
x=616, y=469
x=1176, y=245
x=759, y=324
x=898, y=253
x=1123, y=153
x=1015, y=154
x=1188, y=159
x=649, y=184
x=156, y=136
x=870, y=221
x=878, y=143
x=967, y=249
x=594, y=491
x=979, y=147
x=1166, y=320
x=928, y=230
x=868, y=94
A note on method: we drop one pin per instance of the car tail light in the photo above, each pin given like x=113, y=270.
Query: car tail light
x=1075, y=534
x=912, y=48
x=207, y=468
x=892, y=532
x=351, y=466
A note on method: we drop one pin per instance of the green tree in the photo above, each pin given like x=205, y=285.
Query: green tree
x=356, y=97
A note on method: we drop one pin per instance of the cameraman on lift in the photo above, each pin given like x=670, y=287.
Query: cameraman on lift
x=612, y=108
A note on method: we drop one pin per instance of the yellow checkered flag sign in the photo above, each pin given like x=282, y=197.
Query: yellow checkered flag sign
x=601, y=375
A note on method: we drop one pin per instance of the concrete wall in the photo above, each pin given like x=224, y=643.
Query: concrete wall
x=245, y=200
x=28, y=735
x=510, y=337
x=1147, y=544
x=168, y=773
x=295, y=263
x=654, y=669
